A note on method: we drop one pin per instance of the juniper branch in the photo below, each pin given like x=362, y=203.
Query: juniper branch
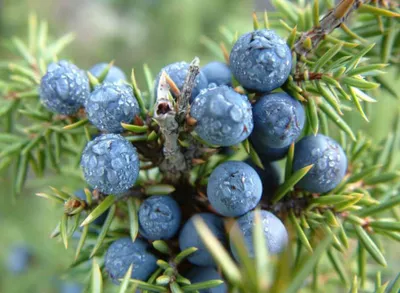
x=174, y=164
x=327, y=24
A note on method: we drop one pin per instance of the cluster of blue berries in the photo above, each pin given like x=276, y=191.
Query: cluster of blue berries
x=224, y=116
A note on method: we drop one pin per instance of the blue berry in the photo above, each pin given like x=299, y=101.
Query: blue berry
x=188, y=237
x=266, y=153
x=114, y=74
x=278, y=120
x=329, y=159
x=110, y=164
x=18, y=259
x=218, y=73
x=260, y=60
x=270, y=177
x=109, y=105
x=275, y=233
x=177, y=72
x=122, y=253
x=223, y=116
x=159, y=217
x=64, y=88
x=68, y=287
x=100, y=220
x=203, y=274
x=234, y=188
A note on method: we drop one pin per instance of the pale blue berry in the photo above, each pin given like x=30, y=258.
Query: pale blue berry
x=114, y=74
x=261, y=60
x=224, y=117
x=64, y=88
x=177, y=72
x=203, y=274
x=110, y=164
x=275, y=233
x=109, y=105
x=123, y=253
x=234, y=188
x=278, y=120
x=159, y=217
x=189, y=237
x=217, y=73
x=328, y=159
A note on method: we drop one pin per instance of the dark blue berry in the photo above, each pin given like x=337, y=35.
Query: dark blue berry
x=114, y=74
x=234, y=188
x=276, y=236
x=64, y=88
x=328, y=158
x=224, y=117
x=270, y=177
x=218, y=73
x=189, y=237
x=159, y=217
x=109, y=105
x=177, y=72
x=110, y=164
x=122, y=253
x=18, y=259
x=261, y=61
x=266, y=153
x=203, y=274
x=278, y=120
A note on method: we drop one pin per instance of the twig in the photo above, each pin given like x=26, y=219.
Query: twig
x=184, y=98
x=327, y=24
x=174, y=164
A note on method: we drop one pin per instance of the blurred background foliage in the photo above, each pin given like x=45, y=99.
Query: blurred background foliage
x=131, y=32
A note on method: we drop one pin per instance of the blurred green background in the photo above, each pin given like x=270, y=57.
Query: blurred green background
x=156, y=32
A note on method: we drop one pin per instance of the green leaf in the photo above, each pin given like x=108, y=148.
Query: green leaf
x=123, y=288
x=260, y=251
x=362, y=263
x=265, y=18
x=77, y=124
x=50, y=196
x=218, y=252
x=255, y=157
x=328, y=56
x=338, y=266
x=313, y=115
x=256, y=24
x=135, y=128
x=23, y=50
x=359, y=83
x=104, y=230
x=184, y=254
x=99, y=210
x=315, y=13
x=308, y=265
x=162, y=247
x=60, y=193
x=300, y=233
x=92, y=80
x=147, y=286
x=330, y=112
x=382, y=178
x=290, y=183
x=96, y=280
x=366, y=8
x=353, y=62
x=150, y=85
x=55, y=48
x=138, y=94
x=81, y=242
x=389, y=225
x=159, y=189
x=163, y=280
x=202, y=285
x=289, y=162
x=394, y=285
x=133, y=218
x=64, y=230
x=370, y=245
x=175, y=288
